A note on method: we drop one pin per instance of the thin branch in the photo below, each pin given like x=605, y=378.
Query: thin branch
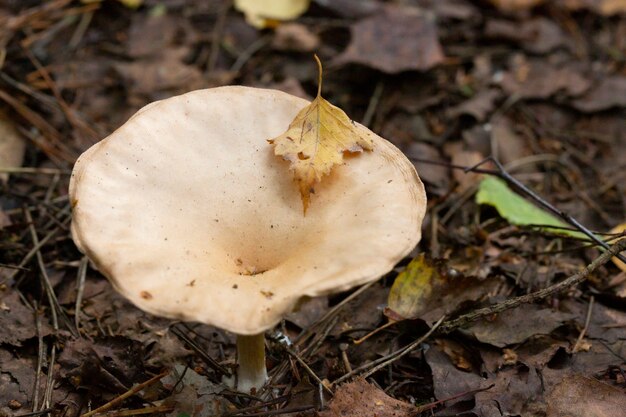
x=544, y=204
x=569, y=282
x=134, y=390
x=386, y=360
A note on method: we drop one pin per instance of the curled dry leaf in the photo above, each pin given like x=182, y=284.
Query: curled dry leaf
x=316, y=141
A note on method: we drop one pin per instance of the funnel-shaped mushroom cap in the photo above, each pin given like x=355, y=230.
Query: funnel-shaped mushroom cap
x=188, y=212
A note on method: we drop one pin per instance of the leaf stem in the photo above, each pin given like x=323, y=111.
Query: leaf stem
x=319, y=77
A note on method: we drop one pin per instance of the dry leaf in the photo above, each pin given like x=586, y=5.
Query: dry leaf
x=360, y=398
x=316, y=141
x=427, y=289
x=580, y=396
x=396, y=39
x=12, y=147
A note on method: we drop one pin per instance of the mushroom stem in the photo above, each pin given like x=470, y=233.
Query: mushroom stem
x=251, y=357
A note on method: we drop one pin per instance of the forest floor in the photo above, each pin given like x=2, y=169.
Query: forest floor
x=538, y=86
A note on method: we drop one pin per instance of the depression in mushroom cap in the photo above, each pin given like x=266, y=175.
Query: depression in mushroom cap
x=188, y=212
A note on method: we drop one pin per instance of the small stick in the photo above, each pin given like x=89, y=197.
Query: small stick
x=134, y=390
x=434, y=404
x=571, y=281
x=576, y=347
x=80, y=287
x=139, y=411
x=34, y=170
x=309, y=370
x=392, y=357
x=373, y=104
x=543, y=203
x=41, y=349
x=283, y=411
x=386, y=360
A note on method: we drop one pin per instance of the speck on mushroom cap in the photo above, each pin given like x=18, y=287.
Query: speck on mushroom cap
x=190, y=215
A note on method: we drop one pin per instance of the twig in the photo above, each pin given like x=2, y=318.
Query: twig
x=134, y=390
x=283, y=411
x=216, y=35
x=34, y=170
x=212, y=363
x=386, y=360
x=249, y=52
x=333, y=311
x=41, y=349
x=308, y=369
x=392, y=357
x=157, y=409
x=427, y=407
x=571, y=281
x=543, y=203
x=581, y=336
x=55, y=307
x=373, y=104
x=80, y=287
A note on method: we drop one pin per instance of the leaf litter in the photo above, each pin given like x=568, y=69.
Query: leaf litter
x=538, y=85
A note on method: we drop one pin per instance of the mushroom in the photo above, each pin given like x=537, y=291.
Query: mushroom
x=189, y=214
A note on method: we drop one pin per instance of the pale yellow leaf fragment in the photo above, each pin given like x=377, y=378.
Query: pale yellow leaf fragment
x=267, y=13
x=316, y=141
x=620, y=228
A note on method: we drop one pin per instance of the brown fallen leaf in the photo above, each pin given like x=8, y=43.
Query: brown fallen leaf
x=295, y=37
x=316, y=141
x=17, y=322
x=479, y=106
x=580, y=396
x=359, y=398
x=539, y=35
x=537, y=79
x=517, y=325
x=607, y=93
x=396, y=39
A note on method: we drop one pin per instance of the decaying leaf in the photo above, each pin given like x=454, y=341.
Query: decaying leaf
x=517, y=325
x=579, y=396
x=360, y=398
x=266, y=13
x=396, y=39
x=424, y=291
x=515, y=209
x=316, y=141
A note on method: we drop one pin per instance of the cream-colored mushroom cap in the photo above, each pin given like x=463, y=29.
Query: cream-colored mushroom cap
x=190, y=215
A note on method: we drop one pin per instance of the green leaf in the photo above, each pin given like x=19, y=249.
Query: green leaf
x=516, y=210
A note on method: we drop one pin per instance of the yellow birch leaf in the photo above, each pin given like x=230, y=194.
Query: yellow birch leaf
x=316, y=141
